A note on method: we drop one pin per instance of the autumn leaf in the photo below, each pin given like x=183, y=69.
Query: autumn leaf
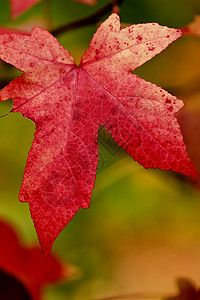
x=68, y=102
x=28, y=265
x=20, y=6
x=193, y=28
x=11, y=288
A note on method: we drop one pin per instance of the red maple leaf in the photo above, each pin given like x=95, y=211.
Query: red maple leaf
x=20, y=6
x=28, y=265
x=68, y=102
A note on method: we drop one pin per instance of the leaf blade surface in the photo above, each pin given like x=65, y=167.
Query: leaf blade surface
x=69, y=102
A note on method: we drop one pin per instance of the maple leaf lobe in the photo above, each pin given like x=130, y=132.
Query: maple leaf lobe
x=130, y=47
x=28, y=265
x=67, y=104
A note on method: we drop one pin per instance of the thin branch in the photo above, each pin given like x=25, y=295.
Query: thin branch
x=92, y=19
x=5, y=114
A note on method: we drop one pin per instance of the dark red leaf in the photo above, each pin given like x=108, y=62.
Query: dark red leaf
x=11, y=288
x=27, y=265
x=67, y=104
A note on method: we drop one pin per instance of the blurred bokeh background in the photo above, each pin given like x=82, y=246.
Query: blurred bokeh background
x=142, y=230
